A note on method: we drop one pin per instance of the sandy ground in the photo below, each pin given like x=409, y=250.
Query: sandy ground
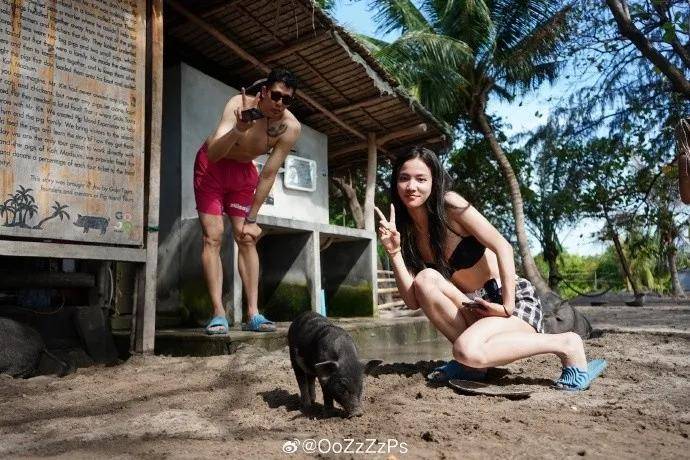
x=246, y=405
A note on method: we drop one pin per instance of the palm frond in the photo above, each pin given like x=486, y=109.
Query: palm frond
x=465, y=20
x=515, y=20
x=534, y=58
x=398, y=15
x=429, y=47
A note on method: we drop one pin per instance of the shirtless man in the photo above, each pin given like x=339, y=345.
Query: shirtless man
x=226, y=180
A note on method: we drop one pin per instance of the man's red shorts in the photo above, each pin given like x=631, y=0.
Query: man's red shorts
x=224, y=186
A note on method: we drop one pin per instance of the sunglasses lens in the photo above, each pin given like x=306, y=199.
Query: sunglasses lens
x=277, y=95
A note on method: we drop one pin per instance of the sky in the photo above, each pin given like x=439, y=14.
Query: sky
x=521, y=115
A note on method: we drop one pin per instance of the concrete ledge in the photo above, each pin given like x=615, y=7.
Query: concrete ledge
x=380, y=336
x=411, y=338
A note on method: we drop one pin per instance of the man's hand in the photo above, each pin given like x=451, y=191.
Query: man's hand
x=242, y=125
x=252, y=231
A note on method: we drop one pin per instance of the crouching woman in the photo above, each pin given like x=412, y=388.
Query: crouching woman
x=452, y=263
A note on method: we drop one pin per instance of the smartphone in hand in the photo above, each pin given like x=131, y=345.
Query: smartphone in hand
x=472, y=305
x=251, y=114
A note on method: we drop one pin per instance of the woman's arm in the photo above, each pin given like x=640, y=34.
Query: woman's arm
x=464, y=214
x=390, y=239
x=404, y=280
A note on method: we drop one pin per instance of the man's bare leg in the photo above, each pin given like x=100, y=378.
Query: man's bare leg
x=248, y=264
x=212, y=228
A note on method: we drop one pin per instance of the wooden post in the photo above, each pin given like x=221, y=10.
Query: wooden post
x=371, y=183
x=369, y=223
x=236, y=285
x=145, y=321
x=313, y=270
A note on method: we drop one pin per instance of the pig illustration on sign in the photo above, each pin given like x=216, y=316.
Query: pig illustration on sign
x=319, y=349
x=88, y=222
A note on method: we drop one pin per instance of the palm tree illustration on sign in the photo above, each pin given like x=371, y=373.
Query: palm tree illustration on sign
x=22, y=205
x=22, y=208
x=58, y=211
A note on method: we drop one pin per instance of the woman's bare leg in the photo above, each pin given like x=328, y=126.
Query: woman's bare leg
x=495, y=341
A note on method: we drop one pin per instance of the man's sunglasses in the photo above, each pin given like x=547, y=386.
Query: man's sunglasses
x=277, y=95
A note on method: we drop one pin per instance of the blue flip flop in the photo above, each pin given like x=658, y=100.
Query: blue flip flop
x=575, y=379
x=217, y=322
x=453, y=370
x=258, y=323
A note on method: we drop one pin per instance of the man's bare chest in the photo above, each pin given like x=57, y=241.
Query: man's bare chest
x=258, y=140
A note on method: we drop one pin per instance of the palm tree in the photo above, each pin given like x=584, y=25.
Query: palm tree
x=58, y=211
x=24, y=202
x=498, y=48
x=5, y=209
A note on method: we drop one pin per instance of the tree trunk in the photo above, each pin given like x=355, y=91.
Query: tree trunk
x=677, y=289
x=352, y=201
x=683, y=140
x=619, y=9
x=528, y=264
x=621, y=255
x=554, y=274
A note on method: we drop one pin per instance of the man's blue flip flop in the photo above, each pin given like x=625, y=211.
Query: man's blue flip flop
x=258, y=323
x=575, y=379
x=220, y=323
x=453, y=370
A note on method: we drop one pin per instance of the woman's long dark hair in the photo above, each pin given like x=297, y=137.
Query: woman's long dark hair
x=436, y=209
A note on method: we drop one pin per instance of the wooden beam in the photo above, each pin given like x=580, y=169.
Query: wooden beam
x=144, y=328
x=371, y=182
x=349, y=107
x=416, y=129
x=290, y=49
x=359, y=104
x=66, y=250
x=217, y=35
x=258, y=64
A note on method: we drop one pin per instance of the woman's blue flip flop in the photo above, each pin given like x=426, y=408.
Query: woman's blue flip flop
x=575, y=379
x=453, y=370
x=219, y=325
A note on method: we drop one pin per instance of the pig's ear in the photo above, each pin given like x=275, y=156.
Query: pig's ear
x=370, y=365
x=325, y=369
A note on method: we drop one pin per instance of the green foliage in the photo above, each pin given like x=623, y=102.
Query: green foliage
x=452, y=54
x=585, y=274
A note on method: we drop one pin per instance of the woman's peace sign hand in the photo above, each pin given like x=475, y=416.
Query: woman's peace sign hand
x=389, y=235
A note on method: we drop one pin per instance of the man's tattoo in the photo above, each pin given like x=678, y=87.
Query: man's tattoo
x=277, y=130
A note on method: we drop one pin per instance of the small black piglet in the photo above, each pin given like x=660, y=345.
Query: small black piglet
x=320, y=349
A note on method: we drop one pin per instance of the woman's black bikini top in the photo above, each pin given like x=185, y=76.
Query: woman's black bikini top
x=466, y=254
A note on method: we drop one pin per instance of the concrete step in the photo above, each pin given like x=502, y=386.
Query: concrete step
x=395, y=303
x=382, y=334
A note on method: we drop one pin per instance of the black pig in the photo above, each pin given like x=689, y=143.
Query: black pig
x=319, y=349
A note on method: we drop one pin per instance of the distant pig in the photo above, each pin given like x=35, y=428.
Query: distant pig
x=22, y=349
x=319, y=349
